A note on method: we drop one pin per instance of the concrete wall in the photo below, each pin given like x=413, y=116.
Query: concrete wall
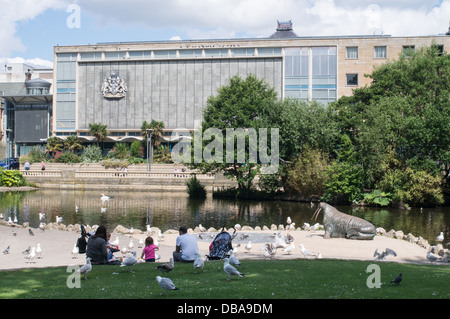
x=174, y=91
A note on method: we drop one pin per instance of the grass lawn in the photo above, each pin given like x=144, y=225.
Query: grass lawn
x=265, y=279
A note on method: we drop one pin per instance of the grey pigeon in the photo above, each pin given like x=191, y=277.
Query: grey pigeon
x=27, y=251
x=397, y=279
x=6, y=251
x=30, y=232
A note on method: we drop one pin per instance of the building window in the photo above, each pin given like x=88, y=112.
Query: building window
x=352, y=79
x=352, y=53
x=379, y=52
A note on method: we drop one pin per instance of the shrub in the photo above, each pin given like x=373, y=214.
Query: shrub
x=66, y=157
x=92, y=154
x=36, y=155
x=195, y=189
x=11, y=178
x=136, y=148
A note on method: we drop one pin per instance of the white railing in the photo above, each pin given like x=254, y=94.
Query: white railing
x=116, y=174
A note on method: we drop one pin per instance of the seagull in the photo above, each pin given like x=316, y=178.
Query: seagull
x=230, y=270
x=116, y=241
x=289, y=220
x=39, y=251
x=306, y=226
x=131, y=231
x=31, y=255
x=6, y=251
x=280, y=241
x=85, y=268
x=166, y=283
x=41, y=216
x=14, y=233
x=382, y=255
x=42, y=226
x=397, y=279
x=432, y=257
x=30, y=232
x=199, y=262
x=130, y=261
x=131, y=245
x=319, y=255
x=59, y=219
x=315, y=226
x=103, y=209
x=248, y=246
x=233, y=260
x=202, y=229
x=270, y=250
x=105, y=198
x=305, y=252
x=290, y=248
x=141, y=243
x=27, y=251
x=123, y=250
x=167, y=267
x=75, y=251
x=440, y=237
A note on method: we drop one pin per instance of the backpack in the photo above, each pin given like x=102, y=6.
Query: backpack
x=221, y=245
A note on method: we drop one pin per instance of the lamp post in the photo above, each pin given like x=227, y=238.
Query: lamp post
x=149, y=151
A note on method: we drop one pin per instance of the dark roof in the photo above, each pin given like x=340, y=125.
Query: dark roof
x=284, y=30
x=37, y=83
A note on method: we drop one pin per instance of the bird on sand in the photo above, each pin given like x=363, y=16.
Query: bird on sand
x=39, y=251
x=289, y=220
x=306, y=252
x=130, y=261
x=290, y=248
x=27, y=251
x=201, y=228
x=30, y=232
x=231, y=270
x=6, y=251
x=397, y=279
x=75, y=251
x=233, y=260
x=440, y=237
x=199, y=263
x=319, y=255
x=270, y=250
x=31, y=255
x=432, y=257
x=85, y=268
x=383, y=254
x=166, y=283
x=248, y=247
x=167, y=267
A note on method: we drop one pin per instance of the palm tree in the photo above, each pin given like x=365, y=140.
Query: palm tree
x=54, y=144
x=99, y=131
x=73, y=143
x=156, y=128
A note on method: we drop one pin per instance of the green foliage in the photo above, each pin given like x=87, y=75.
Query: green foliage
x=162, y=155
x=54, y=144
x=307, y=174
x=36, y=155
x=136, y=149
x=120, y=151
x=114, y=163
x=66, y=157
x=11, y=178
x=73, y=143
x=99, y=131
x=377, y=197
x=91, y=154
x=195, y=189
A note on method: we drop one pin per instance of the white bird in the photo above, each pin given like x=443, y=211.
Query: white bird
x=149, y=230
x=199, y=262
x=432, y=257
x=306, y=226
x=440, y=237
x=166, y=283
x=104, y=198
x=319, y=255
x=289, y=220
x=280, y=241
x=160, y=234
x=75, y=251
x=383, y=254
x=270, y=250
x=315, y=226
x=116, y=241
x=249, y=246
x=39, y=251
x=85, y=268
x=130, y=245
x=123, y=250
x=233, y=260
x=141, y=243
x=59, y=219
x=77, y=209
x=305, y=252
x=103, y=209
x=15, y=219
x=41, y=216
x=230, y=270
x=156, y=242
x=31, y=255
x=130, y=261
x=131, y=231
x=235, y=249
x=290, y=248
x=202, y=229
x=42, y=226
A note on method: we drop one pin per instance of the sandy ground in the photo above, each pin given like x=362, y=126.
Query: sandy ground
x=57, y=246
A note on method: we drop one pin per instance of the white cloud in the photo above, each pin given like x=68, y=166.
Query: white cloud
x=37, y=62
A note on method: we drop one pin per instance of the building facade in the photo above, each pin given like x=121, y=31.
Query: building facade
x=123, y=84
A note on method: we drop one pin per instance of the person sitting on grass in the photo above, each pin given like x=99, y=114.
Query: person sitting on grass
x=149, y=250
x=186, y=248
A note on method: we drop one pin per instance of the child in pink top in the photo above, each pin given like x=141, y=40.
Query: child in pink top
x=149, y=250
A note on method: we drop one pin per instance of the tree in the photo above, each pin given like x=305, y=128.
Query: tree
x=54, y=144
x=156, y=128
x=99, y=131
x=73, y=143
x=237, y=107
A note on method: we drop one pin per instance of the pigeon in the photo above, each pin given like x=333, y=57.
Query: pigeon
x=199, y=262
x=305, y=252
x=440, y=237
x=233, y=260
x=167, y=267
x=289, y=249
x=130, y=261
x=248, y=246
x=75, y=251
x=382, y=255
x=31, y=255
x=230, y=270
x=397, y=279
x=27, y=251
x=6, y=251
x=30, y=232
x=432, y=257
x=14, y=233
x=166, y=283
x=85, y=268
x=39, y=251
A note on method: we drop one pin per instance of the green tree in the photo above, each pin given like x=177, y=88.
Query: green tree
x=54, y=144
x=99, y=131
x=73, y=143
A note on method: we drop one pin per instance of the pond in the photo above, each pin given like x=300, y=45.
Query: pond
x=168, y=210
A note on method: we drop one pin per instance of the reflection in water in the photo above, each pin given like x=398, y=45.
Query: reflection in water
x=171, y=210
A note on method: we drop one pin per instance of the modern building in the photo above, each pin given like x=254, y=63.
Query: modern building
x=123, y=84
x=26, y=105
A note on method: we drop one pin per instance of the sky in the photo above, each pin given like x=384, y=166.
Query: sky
x=29, y=29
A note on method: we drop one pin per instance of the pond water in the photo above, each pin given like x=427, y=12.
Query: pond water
x=171, y=210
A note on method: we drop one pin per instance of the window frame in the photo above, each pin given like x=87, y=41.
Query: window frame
x=347, y=79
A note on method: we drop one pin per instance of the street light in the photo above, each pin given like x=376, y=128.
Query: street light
x=149, y=151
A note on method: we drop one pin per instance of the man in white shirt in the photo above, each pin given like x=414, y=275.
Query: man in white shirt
x=186, y=247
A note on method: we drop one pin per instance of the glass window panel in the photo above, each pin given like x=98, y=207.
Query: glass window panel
x=352, y=79
x=292, y=51
x=87, y=56
x=292, y=94
x=324, y=65
x=186, y=53
x=161, y=54
x=288, y=65
x=295, y=65
x=332, y=67
x=380, y=52
x=320, y=93
x=352, y=52
x=304, y=65
x=136, y=54
x=320, y=50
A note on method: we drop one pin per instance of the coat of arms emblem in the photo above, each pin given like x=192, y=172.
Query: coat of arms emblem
x=114, y=87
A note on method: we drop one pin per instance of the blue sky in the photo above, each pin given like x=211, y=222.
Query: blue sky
x=29, y=29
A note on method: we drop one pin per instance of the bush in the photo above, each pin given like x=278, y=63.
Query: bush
x=92, y=154
x=195, y=189
x=120, y=151
x=114, y=163
x=344, y=183
x=136, y=148
x=66, y=157
x=36, y=155
x=11, y=178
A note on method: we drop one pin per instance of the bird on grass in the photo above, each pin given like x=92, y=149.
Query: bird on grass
x=233, y=260
x=85, y=268
x=383, y=254
x=397, y=279
x=270, y=250
x=199, y=263
x=167, y=267
x=166, y=283
x=130, y=261
x=230, y=270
